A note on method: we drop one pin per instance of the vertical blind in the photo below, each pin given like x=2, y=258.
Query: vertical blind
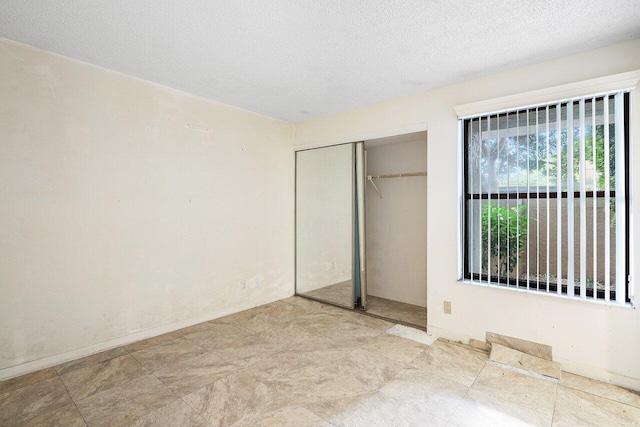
x=546, y=192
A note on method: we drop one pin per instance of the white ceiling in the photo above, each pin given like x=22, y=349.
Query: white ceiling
x=300, y=59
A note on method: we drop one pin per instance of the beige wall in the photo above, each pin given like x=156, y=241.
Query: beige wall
x=120, y=221
x=129, y=209
x=598, y=340
x=396, y=227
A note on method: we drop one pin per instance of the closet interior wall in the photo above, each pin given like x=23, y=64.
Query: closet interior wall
x=396, y=224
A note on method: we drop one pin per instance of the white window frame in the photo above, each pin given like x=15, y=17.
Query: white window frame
x=588, y=88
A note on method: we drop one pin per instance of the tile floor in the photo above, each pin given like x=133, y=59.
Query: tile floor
x=342, y=295
x=297, y=362
x=395, y=310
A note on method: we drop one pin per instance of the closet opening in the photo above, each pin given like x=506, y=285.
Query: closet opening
x=396, y=228
x=361, y=226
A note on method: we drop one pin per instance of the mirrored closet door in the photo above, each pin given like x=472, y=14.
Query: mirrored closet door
x=329, y=229
x=364, y=196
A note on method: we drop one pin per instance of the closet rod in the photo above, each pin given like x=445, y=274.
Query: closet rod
x=370, y=178
x=396, y=175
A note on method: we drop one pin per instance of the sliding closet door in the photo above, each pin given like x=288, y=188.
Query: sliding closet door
x=360, y=247
x=325, y=224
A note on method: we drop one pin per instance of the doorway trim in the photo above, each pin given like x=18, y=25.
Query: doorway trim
x=363, y=136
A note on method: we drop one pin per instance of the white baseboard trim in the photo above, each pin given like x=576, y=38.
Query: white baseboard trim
x=47, y=362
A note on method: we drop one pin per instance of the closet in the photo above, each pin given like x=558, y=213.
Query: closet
x=361, y=226
x=396, y=227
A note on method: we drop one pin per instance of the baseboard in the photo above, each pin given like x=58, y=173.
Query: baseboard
x=47, y=362
x=542, y=351
x=565, y=365
x=600, y=374
x=448, y=335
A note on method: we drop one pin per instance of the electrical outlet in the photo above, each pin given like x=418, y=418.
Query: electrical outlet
x=333, y=264
x=447, y=307
x=326, y=266
x=243, y=285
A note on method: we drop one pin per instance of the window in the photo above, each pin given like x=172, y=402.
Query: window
x=545, y=198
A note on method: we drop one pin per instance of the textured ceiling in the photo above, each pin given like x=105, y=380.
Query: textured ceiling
x=300, y=59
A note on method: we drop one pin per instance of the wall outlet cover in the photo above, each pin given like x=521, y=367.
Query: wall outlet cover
x=447, y=307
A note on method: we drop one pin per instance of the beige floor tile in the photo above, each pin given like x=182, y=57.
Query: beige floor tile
x=25, y=380
x=435, y=395
x=337, y=408
x=297, y=362
x=535, y=349
x=600, y=388
x=287, y=363
x=175, y=414
x=215, y=334
x=67, y=416
x=212, y=326
x=574, y=407
x=217, y=342
x=244, y=356
x=318, y=322
x=271, y=316
x=451, y=361
x=370, y=322
x=255, y=347
x=397, y=310
x=340, y=293
x=306, y=303
x=372, y=410
x=360, y=371
x=300, y=383
x=189, y=375
x=396, y=348
x=509, y=386
x=232, y=398
x=125, y=403
x=282, y=311
x=298, y=355
x=163, y=355
x=340, y=330
x=139, y=345
x=87, y=381
x=283, y=417
x=481, y=410
x=524, y=361
x=212, y=329
x=90, y=360
x=329, y=308
x=371, y=368
x=329, y=347
x=23, y=404
x=480, y=345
